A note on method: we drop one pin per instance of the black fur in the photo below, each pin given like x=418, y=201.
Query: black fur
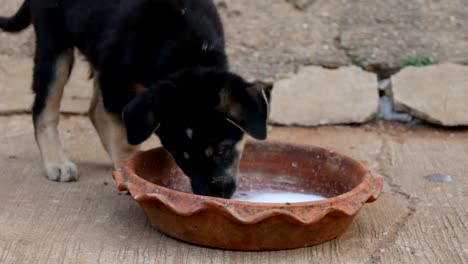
x=174, y=47
x=18, y=22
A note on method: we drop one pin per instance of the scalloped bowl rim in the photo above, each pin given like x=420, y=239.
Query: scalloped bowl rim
x=368, y=190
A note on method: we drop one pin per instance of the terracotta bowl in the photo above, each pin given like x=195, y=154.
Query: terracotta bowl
x=164, y=193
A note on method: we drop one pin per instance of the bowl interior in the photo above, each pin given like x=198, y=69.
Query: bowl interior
x=268, y=167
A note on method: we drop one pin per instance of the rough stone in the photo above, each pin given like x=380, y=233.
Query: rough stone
x=389, y=32
x=267, y=40
x=318, y=96
x=386, y=111
x=437, y=94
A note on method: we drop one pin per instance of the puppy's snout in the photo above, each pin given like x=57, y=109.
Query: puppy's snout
x=224, y=188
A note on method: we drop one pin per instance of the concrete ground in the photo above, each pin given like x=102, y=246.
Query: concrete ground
x=414, y=221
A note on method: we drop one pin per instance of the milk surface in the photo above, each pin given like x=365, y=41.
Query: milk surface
x=275, y=197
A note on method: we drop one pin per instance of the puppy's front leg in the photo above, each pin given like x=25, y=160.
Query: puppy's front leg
x=53, y=64
x=110, y=128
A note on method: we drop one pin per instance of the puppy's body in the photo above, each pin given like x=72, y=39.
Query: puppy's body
x=161, y=65
x=134, y=42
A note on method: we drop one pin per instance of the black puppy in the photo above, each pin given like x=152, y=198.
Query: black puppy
x=158, y=66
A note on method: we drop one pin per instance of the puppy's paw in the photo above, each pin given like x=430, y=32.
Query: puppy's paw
x=65, y=172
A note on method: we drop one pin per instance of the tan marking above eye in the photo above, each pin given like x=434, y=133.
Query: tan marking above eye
x=209, y=151
x=140, y=88
x=186, y=155
x=225, y=98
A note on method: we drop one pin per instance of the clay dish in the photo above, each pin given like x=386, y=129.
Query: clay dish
x=164, y=193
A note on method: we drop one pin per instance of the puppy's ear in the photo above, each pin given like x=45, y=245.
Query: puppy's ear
x=247, y=108
x=266, y=87
x=139, y=116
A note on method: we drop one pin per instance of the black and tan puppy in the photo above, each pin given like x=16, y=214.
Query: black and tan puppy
x=159, y=67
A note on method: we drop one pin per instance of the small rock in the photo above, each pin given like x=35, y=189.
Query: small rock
x=436, y=94
x=385, y=84
x=438, y=177
x=386, y=112
x=318, y=96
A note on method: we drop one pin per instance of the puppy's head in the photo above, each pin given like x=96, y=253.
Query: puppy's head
x=201, y=117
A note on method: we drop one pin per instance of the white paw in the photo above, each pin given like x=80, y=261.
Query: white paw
x=65, y=172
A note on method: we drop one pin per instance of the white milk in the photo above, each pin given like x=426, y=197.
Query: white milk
x=275, y=197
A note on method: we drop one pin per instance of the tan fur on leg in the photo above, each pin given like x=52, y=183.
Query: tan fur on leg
x=110, y=129
x=56, y=162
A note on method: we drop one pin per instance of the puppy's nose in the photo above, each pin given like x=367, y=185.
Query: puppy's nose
x=223, y=189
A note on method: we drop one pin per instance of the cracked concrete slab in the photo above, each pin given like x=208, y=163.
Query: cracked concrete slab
x=87, y=221
x=383, y=232
x=440, y=209
x=429, y=226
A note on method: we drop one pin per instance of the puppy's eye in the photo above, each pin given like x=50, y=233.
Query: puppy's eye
x=221, y=151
